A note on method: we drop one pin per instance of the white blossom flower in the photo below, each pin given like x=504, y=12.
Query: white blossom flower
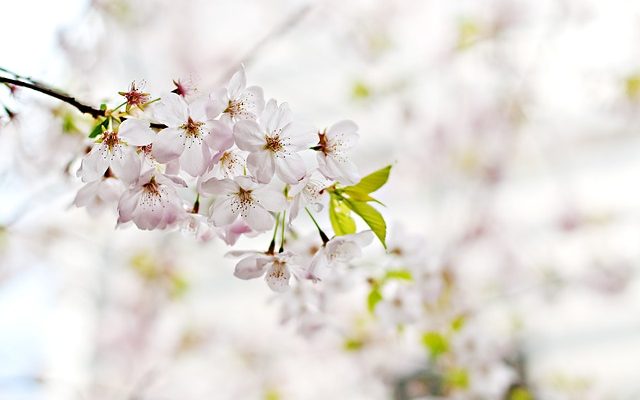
x=96, y=194
x=308, y=191
x=228, y=164
x=276, y=268
x=246, y=198
x=340, y=250
x=274, y=144
x=189, y=134
x=152, y=202
x=237, y=101
x=333, y=145
x=116, y=149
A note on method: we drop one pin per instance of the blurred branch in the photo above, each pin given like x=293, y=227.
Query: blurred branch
x=49, y=91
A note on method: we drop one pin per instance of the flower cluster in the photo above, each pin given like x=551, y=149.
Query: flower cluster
x=245, y=161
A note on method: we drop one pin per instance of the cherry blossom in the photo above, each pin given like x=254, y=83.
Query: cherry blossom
x=97, y=194
x=308, y=191
x=246, y=198
x=152, y=202
x=333, y=147
x=237, y=101
x=340, y=250
x=276, y=268
x=274, y=144
x=189, y=134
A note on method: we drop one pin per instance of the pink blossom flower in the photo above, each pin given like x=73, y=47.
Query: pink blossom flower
x=308, y=191
x=274, y=144
x=189, y=134
x=246, y=198
x=333, y=146
x=276, y=268
x=152, y=202
x=97, y=194
x=237, y=101
x=339, y=250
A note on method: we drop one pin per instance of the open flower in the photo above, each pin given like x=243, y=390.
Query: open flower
x=338, y=251
x=96, y=194
x=116, y=149
x=237, y=101
x=246, y=198
x=308, y=191
x=152, y=202
x=189, y=134
x=274, y=144
x=276, y=268
x=333, y=146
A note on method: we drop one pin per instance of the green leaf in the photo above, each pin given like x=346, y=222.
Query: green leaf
x=371, y=182
x=353, y=344
x=359, y=196
x=98, y=128
x=457, y=378
x=373, y=298
x=372, y=217
x=399, y=274
x=436, y=343
x=340, y=217
x=520, y=394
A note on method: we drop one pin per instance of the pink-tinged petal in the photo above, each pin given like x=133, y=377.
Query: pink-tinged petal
x=300, y=136
x=246, y=182
x=279, y=118
x=110, y=190
x=219, y=101
x=291, y=168
x=198, y=108
x=248, y=136
x=87, y=194
x=248, y=268
x=172, y=167
x=237, y=83
x=344, y=170
x=259, y=219
x=220, y=136
x=194, y=158
x=241, y=253
x=95, y=164
x=345, y=127
x=172, y=110
x=171, y=180
x=127, y=205
x=136, y=132
x=318, y=266
x=270, y=199
x=126, y=166
x=277, y=277
x=261, y=165
x=222, y=212
x=219, y=187
x=169, y=145
x=253, y=99
x=234, y=231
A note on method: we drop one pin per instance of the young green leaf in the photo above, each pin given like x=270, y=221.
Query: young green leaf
x=373, y=298
x=436, y=343
x=98, y=128
x=371, y=182
x=372, y=217
x=340, y=217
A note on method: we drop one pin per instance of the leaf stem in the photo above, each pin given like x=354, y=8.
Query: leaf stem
x=284, y=218
x=272, y=245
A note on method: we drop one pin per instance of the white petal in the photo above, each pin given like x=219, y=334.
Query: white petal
x=253, y=99
x=261, y=165
x=248, y=136
x=291, y=168
x=169, y=145
x=219, y=101
x=237, y=83
x=95, y=164
x=86, y=194
x=345, y=127
x=363, y=238
x=270, y=199
x=126, y=165
x=259, y=219
x=246, y=182
x=218, y=187
x=127, y=205
x=220, y=136
x=195, y=157
x=301, y=136
x=222, y=213
x=277, y=277
x=136, y=132
x=279, y=118
x=171, y=110
x=249, y=268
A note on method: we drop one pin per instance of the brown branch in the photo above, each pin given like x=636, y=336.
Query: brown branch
x=38, y=87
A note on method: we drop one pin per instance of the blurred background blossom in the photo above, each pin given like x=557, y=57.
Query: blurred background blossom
x=513, y=133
